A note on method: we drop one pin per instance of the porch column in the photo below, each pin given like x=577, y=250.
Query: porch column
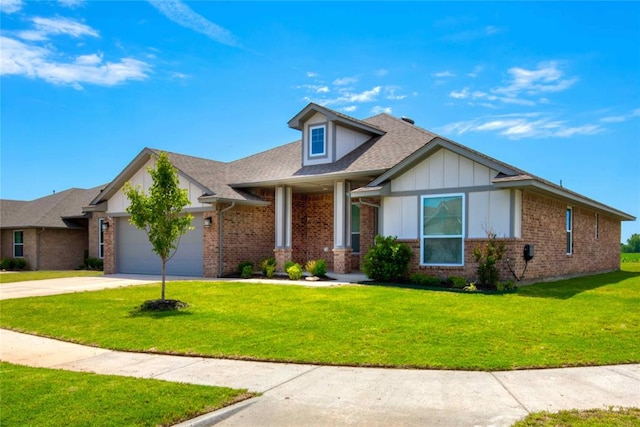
x=341, y=227
x=283, y=226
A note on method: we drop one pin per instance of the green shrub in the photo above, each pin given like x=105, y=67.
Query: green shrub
x=316, y=267
x=243, y=264
x=457, y=282
x=387, y=260
x=13, y=264
x=425, y=280
x=247, y=271
x=266, y=263
x=487, y=256
x=295, y=271
x=94, y=263
x=288, y=264
x=506, y=285
x=270, y=271
x=7, y=264
x=471, y=287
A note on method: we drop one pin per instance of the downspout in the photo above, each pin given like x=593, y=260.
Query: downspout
x=373, y=205
x=220, y=272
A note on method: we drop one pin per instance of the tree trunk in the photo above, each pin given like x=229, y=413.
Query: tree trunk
x=164, y=269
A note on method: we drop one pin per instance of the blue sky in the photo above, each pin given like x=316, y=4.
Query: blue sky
x=552, y=88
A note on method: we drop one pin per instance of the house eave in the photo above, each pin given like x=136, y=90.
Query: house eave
x=297, y=122
x=536, y=186
x=297, y=180
x=213, y=199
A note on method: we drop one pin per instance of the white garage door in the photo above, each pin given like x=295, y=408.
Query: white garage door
x=134, y=254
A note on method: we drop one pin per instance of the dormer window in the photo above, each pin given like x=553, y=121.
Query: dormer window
x=317, y=141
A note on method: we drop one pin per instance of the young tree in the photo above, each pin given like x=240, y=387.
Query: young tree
x=160, y=213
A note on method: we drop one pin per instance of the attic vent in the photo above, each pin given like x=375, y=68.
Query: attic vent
x=409, y=120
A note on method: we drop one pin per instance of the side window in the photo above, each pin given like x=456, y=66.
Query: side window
x=442, y=230
x=569, y=223
x=355, y=228
x=101, y=238
x=18, y=244
x=597, y=230
x=317, y=141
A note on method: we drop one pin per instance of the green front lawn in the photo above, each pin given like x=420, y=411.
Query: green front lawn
x=23, y=276
x=612, y=417
x=48, y=397
x=585, y=321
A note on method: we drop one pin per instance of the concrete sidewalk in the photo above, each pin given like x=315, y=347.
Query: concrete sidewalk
x=313, y=395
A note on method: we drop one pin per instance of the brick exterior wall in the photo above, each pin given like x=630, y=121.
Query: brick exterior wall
x=368, y=231
x=49, y=248
x=543, y=224
x=109, y=260
x=248, y=234
x=312, y=218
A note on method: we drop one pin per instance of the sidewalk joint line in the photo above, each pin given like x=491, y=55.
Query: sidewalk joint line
x=292, y=378
x=510, y=393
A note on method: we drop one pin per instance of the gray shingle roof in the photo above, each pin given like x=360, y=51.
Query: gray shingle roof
x=54, y=211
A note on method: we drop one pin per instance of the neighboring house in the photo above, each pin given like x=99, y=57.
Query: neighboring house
x=347, y=180
x=49, y=233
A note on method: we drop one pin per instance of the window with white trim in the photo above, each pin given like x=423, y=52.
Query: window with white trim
x=317, y=141
x=100, y=238
x=569, y=224
x=18, y=244
x=597, y=227
x=442, y=220
x=355, y=228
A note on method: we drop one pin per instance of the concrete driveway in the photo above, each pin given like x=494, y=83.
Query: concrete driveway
x=76, y=284
x=296, y=394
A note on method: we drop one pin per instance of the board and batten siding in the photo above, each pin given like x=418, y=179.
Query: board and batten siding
x=445, y=172
x=118, y=202
x=348, y=140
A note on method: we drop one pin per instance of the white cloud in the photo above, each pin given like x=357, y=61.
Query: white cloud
x=182, y=76
x=378, y=110
x=546, y=78
x=520, y=126
x=71, y=3
x=92, y=59
x=345, y=81
x=350, y=108
x=521, y=85
x=461, y=94
x=18, y=58
x=311, y=74
x=622, y=117
x=45, y=27
x=390, y=93
x=442, y=74
x=183, y=15
x=381, y=73
x=11, y=6
x=476, y=70
x=322, y=89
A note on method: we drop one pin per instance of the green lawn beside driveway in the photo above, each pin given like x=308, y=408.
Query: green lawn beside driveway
x=24, y=276
x=48, y=397
x=583, y=321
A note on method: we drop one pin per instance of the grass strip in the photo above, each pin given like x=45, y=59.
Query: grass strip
x=50, y=397
x=583, y=321
x=24, y=276
x=612, y=417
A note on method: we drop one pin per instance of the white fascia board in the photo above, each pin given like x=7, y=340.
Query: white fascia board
x=559, y=192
